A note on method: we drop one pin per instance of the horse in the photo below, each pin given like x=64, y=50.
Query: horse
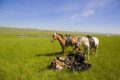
x=62, y=40
x=84, y=41
x=76, y=42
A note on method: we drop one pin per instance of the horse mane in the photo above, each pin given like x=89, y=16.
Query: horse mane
x=61, y=35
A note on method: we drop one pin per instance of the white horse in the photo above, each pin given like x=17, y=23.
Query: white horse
x=84, y=41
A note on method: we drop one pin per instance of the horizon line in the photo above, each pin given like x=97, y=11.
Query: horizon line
x=83, y=32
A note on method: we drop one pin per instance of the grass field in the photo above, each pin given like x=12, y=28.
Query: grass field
x=25, y=53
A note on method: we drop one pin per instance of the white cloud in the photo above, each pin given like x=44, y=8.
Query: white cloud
x=85, y=14
x=90, y=8
x=76, y=9
x=75, y=16
x=94, y=5
x=88, y=13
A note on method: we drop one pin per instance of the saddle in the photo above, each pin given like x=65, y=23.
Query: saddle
x=91, y=42
x=68, y=41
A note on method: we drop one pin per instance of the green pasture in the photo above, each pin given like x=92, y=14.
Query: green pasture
x=25, y=54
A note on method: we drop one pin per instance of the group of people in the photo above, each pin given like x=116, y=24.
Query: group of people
x=76, y=61
x=73, y=61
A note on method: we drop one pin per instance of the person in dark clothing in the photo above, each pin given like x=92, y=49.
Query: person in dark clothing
x=79, y=63
x=79, y=58
x=68, y=40
x=91, y=41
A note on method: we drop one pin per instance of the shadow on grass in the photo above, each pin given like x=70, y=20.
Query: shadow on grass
x=50, y=54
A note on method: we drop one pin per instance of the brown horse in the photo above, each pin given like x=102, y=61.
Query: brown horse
x=62, y=40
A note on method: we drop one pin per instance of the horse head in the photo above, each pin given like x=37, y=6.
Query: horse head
x=54, y=37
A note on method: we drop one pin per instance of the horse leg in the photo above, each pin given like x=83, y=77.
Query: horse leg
x=95, y=51
x=63, y=51
x=88, y=52
x=91, y=50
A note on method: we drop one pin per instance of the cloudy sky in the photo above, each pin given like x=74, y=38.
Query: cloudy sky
x=102, y=16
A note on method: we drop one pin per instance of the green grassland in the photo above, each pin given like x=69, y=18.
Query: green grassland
x=25, y=53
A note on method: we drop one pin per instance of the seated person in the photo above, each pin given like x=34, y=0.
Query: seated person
x=70, y=59
x=79, y=63
x=79, y=58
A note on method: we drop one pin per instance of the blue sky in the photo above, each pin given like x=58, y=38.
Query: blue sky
x=101, y=16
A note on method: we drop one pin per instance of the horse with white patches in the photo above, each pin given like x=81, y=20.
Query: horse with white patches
x=88, y=48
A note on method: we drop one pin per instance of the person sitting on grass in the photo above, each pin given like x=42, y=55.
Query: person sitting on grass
x=79, y=63
x=79, y=58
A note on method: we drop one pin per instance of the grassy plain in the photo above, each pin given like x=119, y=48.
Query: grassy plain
x=25, y=53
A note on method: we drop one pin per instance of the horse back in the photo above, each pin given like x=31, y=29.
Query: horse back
x=74, y=39
x=96, y=41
